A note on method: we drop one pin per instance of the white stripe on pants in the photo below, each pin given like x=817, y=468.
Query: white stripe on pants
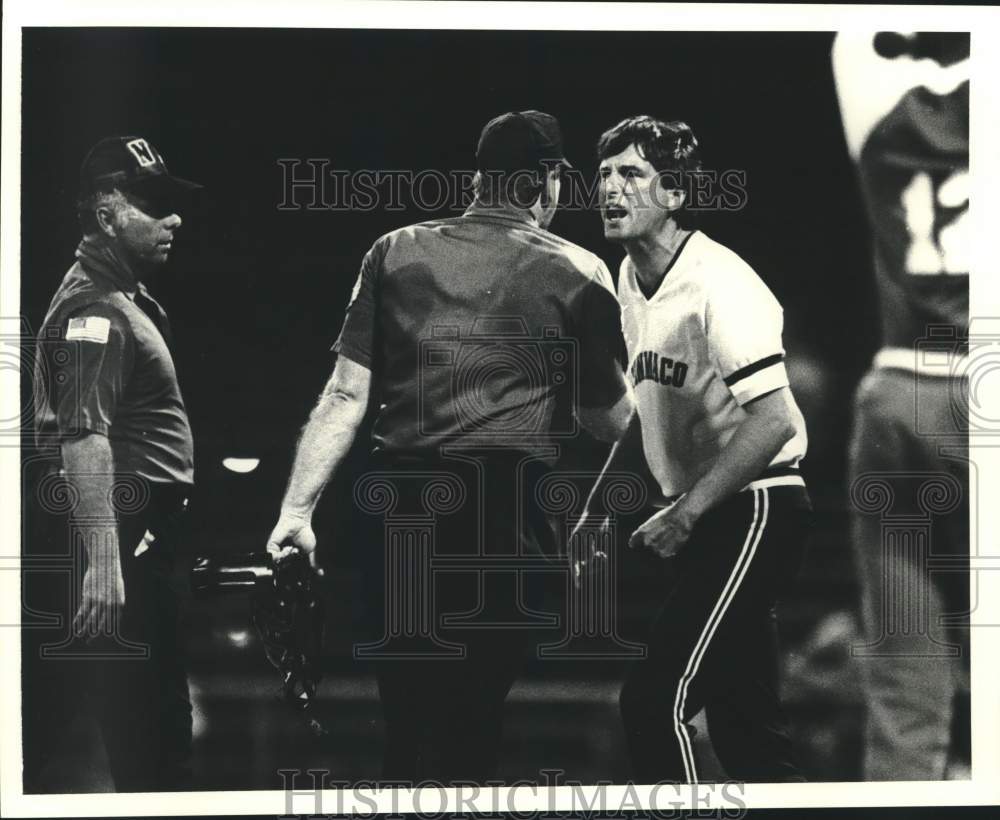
x=757, y=525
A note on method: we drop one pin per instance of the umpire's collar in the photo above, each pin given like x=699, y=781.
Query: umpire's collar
x=99, y=257
x=501, y=211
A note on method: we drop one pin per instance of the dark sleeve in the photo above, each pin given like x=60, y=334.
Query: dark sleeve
x=600, y=344
x=357, y=336
x=90, y=369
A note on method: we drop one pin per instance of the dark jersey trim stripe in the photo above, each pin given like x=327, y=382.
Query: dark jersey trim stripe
x=750, y=369
x=670, y=265
x=779, y=472
x=677, y=255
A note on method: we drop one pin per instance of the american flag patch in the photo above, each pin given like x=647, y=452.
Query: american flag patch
x=89, y=329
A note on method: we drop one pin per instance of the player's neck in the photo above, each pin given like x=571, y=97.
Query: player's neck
x=652, y=256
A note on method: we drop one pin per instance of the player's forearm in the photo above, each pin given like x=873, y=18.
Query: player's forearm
x=747, y=454
x=90, y=469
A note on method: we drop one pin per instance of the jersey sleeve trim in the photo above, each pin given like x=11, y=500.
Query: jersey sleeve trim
x=750, y=369
x=355, y=354
x=755, y=380
x=88, y=423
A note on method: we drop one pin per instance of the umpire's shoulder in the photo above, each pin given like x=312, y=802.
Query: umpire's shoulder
x=578, y=262
x=405, y=237
x=79, y=297
x=417, y=229
x=95, y=320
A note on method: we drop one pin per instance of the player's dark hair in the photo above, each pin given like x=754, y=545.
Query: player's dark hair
x=670, y=147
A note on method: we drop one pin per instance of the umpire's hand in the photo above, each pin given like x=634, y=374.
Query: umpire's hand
x=103, y=594
x=293, y=532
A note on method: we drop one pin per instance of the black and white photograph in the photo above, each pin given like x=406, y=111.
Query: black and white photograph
x=553, y=406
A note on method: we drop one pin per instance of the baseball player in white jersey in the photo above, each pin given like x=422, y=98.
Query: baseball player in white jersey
x=723, y=438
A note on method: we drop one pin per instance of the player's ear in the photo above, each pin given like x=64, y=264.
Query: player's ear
x=671, y=197
x=675, y=198
x=671, y=194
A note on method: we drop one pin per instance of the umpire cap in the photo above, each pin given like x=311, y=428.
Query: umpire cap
x=520, y=140
x=129, y=164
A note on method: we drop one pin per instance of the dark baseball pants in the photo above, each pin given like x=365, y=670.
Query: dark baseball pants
x=714, y=645
x=444, y=713
x=134, y=685
x=144, y=706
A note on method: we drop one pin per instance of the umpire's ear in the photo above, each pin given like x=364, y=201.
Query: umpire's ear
x=549, y=186
x=104, y=216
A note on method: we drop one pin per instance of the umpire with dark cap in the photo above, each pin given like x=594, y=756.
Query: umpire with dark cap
x=489, y=289
x=106, y=393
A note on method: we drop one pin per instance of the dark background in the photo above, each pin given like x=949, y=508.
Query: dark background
x=256, y=294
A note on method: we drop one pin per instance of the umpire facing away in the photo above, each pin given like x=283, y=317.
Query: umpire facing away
x=107, y=392
x=436, y=334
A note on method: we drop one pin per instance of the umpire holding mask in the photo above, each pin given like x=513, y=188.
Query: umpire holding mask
x=497, y=271
x=106, y=393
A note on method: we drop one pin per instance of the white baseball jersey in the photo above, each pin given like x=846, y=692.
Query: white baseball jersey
x=705, y=344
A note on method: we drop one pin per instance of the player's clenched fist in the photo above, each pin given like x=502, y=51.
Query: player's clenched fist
x=665, y=532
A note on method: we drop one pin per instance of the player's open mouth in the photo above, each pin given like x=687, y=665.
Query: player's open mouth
x=612, y=213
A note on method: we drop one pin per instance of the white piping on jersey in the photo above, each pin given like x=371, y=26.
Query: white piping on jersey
x=946, y=363
x=747, y=551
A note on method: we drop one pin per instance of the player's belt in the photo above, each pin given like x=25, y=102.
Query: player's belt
x=778, y=476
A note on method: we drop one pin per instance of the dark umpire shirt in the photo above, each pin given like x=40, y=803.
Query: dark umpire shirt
x=104, y=366
x=482, y=329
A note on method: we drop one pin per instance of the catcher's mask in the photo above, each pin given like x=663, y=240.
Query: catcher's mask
x=288, y=615
x=286, y=610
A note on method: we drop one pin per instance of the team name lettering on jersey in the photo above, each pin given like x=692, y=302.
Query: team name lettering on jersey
x=651, y=365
